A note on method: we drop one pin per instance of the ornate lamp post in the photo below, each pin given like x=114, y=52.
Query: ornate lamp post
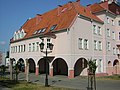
x=50, y=47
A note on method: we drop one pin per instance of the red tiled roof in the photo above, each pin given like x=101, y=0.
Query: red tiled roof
x=95, y=8
x=112, y=8
x=63, y=19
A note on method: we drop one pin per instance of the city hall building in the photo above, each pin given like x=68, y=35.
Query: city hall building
x=81, y=33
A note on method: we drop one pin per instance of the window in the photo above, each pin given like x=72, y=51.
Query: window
x=19, y=48
x=29, y=48
x=53, y=27
x=22, y=34
x=24, y=48
x=43, y=30
x=16, y=49
x=35, y=32
x=99, y=30
x=108, y=21
x=37, y=47
x=113, y=35
x=48, y=42
x=119, y=22
x=85, y=44
x=117, y=51
x=108, y=46
x=119, y=35
x=39, y=31
x=114, y=51
x=95, y=45
x=113, y=22
x=18, y=36
x=33, y=49
x=15, y=37
x=42, y=40
x=100, y=45
x=11, y=49
x=80, y=43
x=100, y=65
x=108, y=32
x=94, y=29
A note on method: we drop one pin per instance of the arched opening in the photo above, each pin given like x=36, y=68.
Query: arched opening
x=79, y=66
x=116, y=67
x=60, y=67
x=21, y=65
x=109, y=63
x=109, y=68
x=31, y=65
x=43, y=66
x=116, y=62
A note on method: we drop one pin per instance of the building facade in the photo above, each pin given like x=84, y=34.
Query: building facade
x=81, y=33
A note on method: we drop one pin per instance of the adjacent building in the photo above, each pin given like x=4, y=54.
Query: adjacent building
x=81, y=33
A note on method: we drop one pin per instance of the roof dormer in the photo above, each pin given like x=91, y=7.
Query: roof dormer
x=19, y=34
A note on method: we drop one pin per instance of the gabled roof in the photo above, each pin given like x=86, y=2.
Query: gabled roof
x=63, y=17
x=97, y=7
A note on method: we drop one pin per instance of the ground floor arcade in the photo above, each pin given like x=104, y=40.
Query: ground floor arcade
x=59, y=66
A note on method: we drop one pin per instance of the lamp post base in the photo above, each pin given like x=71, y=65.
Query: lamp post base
x=46, y=83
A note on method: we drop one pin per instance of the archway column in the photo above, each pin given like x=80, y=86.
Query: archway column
x=37, y=70
x=25, y=69
x=51, y=71
x=71, y=73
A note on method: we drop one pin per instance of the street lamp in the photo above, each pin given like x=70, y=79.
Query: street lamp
x=50, y=46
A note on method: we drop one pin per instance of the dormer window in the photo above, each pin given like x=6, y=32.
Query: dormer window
x=64, y=10
x=108, y=21
x=39, y=31
x=35, y=32
x=43, y=30
x=19, y=34
x=53, y=27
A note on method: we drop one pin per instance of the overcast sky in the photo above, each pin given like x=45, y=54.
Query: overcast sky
x=13, y=14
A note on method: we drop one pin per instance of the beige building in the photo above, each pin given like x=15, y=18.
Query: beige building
x=81, y=33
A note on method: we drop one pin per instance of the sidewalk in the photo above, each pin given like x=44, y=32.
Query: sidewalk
x=75, y=83
x=4, y=88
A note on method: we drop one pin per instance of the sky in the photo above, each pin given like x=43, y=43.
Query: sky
x=14, y=13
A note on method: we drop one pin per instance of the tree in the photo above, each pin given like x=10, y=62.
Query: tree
x=3, y=69
x=91, y=73
x=16, y=71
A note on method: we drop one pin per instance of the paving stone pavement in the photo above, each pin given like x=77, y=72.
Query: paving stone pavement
x=4, y=88
x=75, y=83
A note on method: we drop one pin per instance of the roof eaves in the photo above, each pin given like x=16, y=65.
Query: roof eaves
x=33, y=36
x=89, y=19
x=98, y=11
x=60, y=30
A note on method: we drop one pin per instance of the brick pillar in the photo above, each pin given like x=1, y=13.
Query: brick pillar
x=25, y=69
x=37, y=70
x=51, y=72
x=71, y=74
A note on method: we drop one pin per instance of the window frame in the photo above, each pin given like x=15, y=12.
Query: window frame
x=86, y=44
x=80, y=43
x=95, y=44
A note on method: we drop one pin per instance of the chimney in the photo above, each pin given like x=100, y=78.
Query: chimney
x=70, y=5
x=59, y=9
x=78, y=1
x=38, y=18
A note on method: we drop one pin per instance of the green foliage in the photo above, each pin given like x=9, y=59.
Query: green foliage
x=92, y=65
